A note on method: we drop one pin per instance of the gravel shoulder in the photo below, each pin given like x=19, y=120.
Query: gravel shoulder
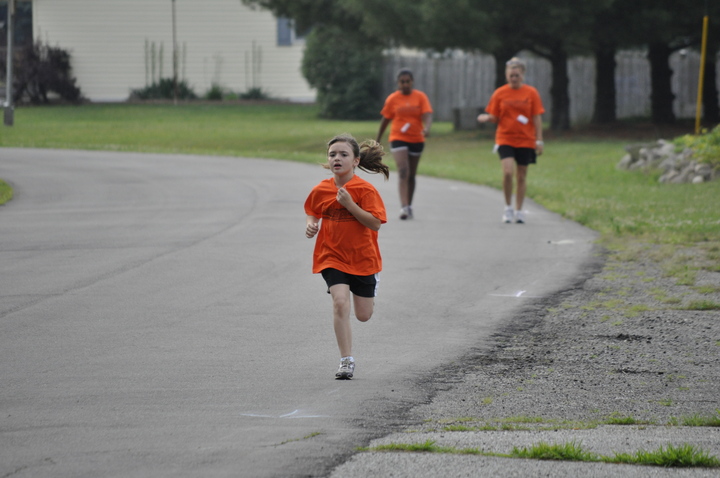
x=637, y=341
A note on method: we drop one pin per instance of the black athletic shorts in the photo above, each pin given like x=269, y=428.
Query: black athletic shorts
x=523, y=156
x=362, y=286
x=414, y=149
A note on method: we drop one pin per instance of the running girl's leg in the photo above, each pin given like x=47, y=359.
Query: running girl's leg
x=364, y=307
x=403, y=170
x=508, y=171
x=413, y=163
x=341, y=318
x=521, y=186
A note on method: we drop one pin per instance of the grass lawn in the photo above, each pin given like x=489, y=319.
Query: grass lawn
x=575, y=177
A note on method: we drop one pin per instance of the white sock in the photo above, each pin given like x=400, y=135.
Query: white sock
x=348, y=357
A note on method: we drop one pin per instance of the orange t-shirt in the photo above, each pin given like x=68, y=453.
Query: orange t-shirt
x=515, y=109
x=342, y=242
x=406, y=110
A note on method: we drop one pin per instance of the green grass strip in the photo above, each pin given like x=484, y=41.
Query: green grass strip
x=702, y=305
x=426, y=447
x=6, y=192
x=682, y=456
x=563, y=452
x=701, y=421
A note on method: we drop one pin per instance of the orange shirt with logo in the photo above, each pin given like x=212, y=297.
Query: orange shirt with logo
x=515, y=109
x=342, y=242
x=406, y=112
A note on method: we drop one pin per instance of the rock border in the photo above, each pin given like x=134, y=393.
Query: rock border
x=675, y=167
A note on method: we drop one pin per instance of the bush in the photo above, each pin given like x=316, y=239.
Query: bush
x=346, y=69
x=705, y=147
x=40, y=71
x=215, y=93
x=254, y=94
x=163, y=90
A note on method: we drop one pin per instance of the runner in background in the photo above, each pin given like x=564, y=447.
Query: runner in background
x=516, y=108
x=410, y=112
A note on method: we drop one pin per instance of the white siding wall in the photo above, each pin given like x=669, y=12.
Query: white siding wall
x=107, y=39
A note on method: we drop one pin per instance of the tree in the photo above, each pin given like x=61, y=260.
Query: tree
x=40, y=71
x=341, y=61
x=560, y=30
x=711, y=110
x=305, y=13
x=664, y=26
x=553, y=29
x=433, y=25
x=348, y=79
x=608, y=33
x=661, y=28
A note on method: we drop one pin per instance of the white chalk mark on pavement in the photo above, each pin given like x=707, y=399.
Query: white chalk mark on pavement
x=562, y=242
x=293, y=414
x=519, y=294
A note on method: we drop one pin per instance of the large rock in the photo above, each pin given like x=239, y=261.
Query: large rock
x=676, y=167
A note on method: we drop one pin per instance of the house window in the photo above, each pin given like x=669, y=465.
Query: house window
x=286, y=34
x=22, y=28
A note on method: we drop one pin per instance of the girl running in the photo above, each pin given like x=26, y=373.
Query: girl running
x=346, y=249
x=410, y=113
x=517, y=109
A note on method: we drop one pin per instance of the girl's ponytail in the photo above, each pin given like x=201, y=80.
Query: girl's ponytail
x=370, y=153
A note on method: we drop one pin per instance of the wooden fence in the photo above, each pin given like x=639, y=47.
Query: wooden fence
x=468, y=81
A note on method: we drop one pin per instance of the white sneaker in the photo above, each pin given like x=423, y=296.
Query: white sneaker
x=520, y=217
x=508, y=215
x=346, y=369
x=405, y=213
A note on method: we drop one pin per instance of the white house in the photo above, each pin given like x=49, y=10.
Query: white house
x=119, y=45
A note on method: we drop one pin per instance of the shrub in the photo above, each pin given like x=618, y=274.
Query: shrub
x=705, y=147
x=163, y=90
x=346, y=69
x=40, y=71
x=254, y=93
x=215, y=93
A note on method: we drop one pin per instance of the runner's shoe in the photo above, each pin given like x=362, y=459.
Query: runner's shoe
x=508, y=215
x=346, y=370
x=520, y=217
x=405, y=213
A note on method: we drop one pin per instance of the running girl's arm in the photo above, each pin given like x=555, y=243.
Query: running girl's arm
x=427, y=122
x=383, y=124
x=539, y=145
x=312, y=226
x=485, y=117
x=363, y=217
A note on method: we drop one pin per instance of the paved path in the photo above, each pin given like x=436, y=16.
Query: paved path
x=158, y=316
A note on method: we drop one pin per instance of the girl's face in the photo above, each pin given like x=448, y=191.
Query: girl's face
x=405, y=84
x=341, y=158
x=515, y=77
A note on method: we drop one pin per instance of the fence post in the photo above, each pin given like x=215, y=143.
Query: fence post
x=9, y=113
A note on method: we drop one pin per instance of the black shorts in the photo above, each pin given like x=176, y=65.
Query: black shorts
x=362, y=286
x=523, y=156
x=414, y=149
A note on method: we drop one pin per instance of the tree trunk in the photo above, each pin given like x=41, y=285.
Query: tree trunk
x=711, y=111
x=661, y=97
x=502, y=55
x=560, y=114
x=605, y=94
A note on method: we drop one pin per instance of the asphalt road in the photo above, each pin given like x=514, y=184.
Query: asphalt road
x=158, y=316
